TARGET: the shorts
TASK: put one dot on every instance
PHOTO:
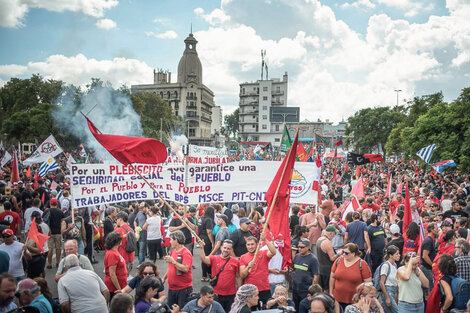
(55, 242)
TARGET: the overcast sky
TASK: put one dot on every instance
(341, 56)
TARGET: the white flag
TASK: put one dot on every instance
(6, 158)
(48, 149)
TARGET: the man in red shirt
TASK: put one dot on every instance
(11, 217)
(228, 268)
(369, 204)
(256, 271)
(123, 228)
(395, 203)
(179, 273)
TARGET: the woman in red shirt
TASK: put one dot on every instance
(348, 272)
(114, 265)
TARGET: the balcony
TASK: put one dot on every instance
(191, 107)
(191, 97)
(249, 112)
(206, 118)
(276, 102)
(249, 94)
(192, 117)
(277, 93)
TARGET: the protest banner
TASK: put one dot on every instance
(95, 184)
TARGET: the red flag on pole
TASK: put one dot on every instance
(36, 236)
(15, 175)
(28, 172)
(358, 189)
(388, 192)
(278, 212)
(339, 142)
(127, 149)
(374, 157)
(358, 171)
(407, 216)
(35, 183)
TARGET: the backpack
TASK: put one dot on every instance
(460, 292)
(131, 241)
(376, 278)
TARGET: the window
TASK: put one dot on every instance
(265, 117)
(265, 126)
(265, 107)
(265, 88)
(277, 139)
(265, 98)
(278, 88)
(243, 91)
(192, 132)
(276, 128)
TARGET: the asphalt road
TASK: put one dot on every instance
(99, 269)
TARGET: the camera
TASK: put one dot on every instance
(159, 307)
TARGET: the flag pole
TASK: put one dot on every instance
(274, 198)
(159, 195)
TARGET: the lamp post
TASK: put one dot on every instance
(398, 91)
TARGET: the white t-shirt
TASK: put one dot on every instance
(154, 227)
(275, 263)
(392, 277)
(27, 217)
(14, 252)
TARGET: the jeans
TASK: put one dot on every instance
(154, 247)
(429, 275)
(142, 246)
(81, 248)
(405, 307)
(391, 291)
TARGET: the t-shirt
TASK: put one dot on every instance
(134, 283)
(84, 263)
(111, 258)
(108, 227)
(205, 224)
(42, 304)
(142, 306)
(128, 256)
(348, 278)
(175, 222)
(239, 242)
(398, 242)
(14, 252)
(356, 231)
(12, 218)
(305, 267)
(376, 237)
(55, 219)
(185, 280)
(223, 234)
(430, 245)
(226, 284)
(74, 233)
(192, 306)
(391, 279)
(455, 215)
(154, 225)
(27, 217)
(260, 271)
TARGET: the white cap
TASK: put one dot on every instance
(395, 229)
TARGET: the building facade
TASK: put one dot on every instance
(188, 97)
(257, 100)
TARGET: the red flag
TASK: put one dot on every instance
(279, 192)
(358, 189)
(15, 175)
(28, 172)
(36, 236)
(388, 192)
(301, 153)
(407, 216)
(316, 179)
(351, 206)
(358, 171)
(36, 178)
(129, 150)
(43, 198)
(374, 157)
(400, 187)
(339, 142)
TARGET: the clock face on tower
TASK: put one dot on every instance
(191, 78)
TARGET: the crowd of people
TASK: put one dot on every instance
(371, 259)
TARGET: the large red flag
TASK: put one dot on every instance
(15, 175)
(374, 157)
(407, 216)
(28, 172)
(36, 236)
(129, 150)
(358, 189)
(388, 192)
(278, 211)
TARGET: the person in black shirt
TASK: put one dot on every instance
(396, 238)
(377, 241)
(55, 241)
(108, 225)
(455, 212)
(176, 224)
(205, 233)
(294, 218)
(428, 253)
(238, 237)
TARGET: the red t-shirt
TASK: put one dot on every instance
(259, 273)
(226, 284)
(12, 217)
(372, 206)
(185, 280)
(128, 256)
(348, 278)
(111, 258)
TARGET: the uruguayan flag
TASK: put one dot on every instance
(48, 166)
(426, 153)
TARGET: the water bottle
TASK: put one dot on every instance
(179, 259)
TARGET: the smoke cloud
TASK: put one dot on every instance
(111, 112)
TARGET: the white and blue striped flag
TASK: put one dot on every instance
(426, 153)
(48, 166)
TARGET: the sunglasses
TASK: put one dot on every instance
(6, 236)
(301, 247)
(346, 253)
(148, 274)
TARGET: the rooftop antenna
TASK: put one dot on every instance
(263, 55)
(191, 28)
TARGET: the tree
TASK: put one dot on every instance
(369, 128)
(231, 125)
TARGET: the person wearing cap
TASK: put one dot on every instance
(238, 237)
(326, 255)
(11, 217)
(222, 234)
(306, 272)
(429, 252)
(29, 293)
(55, 241)
(396, 238)
(15, 250)
(7, 292)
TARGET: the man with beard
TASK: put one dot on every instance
(177, 224)
(74, 230)
(7, 292)
(238, 237)
(226, 268)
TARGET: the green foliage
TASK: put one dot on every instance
(369, 128)
(230, 128)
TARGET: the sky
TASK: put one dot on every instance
(341, 56)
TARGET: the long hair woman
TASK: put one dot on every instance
(388, 279)
(365, 300)
(148, 288)
(411, 235)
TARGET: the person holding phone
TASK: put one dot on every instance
(411, 280)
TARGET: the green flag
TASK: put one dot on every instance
(286, 142)
(322, 140)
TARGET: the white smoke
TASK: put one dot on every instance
(110, 111)
(176, 145)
